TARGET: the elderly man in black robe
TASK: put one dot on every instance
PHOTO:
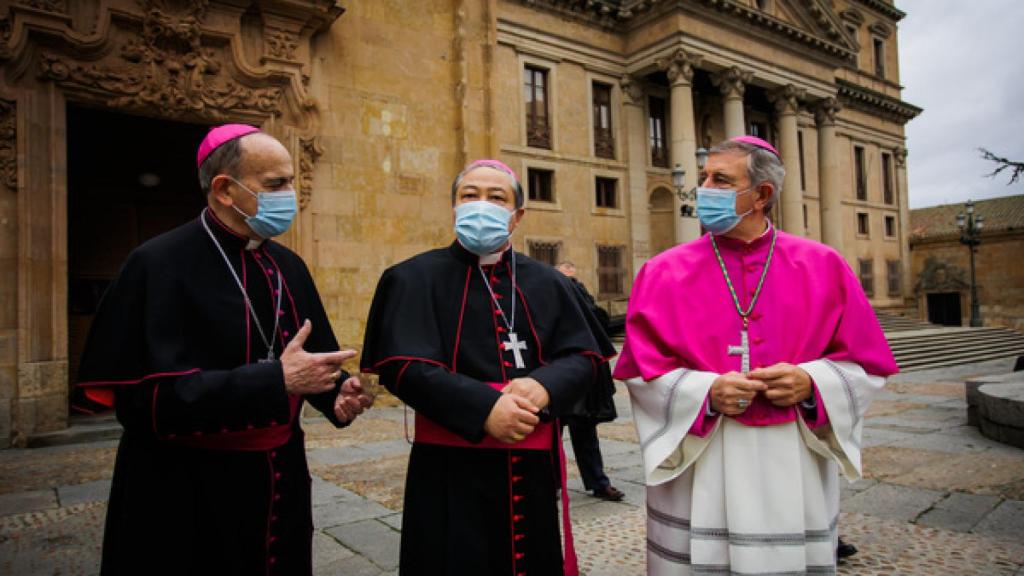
(488, 346)
(207, 344)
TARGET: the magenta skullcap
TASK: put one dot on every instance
(219, 135)
(496, 164)
(760, 143)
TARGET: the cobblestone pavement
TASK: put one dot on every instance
(938, 498)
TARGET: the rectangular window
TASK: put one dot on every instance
(852, 30)
(659, 146)
(879, 57)
(606, 192)
(535, 86)
(604, 139)
(759, 129)
(860, 173)
(894, 275)
(890, 226)
(539, 187)
(610, 272)
(863, 226)
(546, 252)
(887, 196)
(867, 276)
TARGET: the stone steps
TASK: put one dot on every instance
(937, 347)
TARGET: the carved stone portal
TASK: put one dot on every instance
(939, 276)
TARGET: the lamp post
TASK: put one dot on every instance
(688, 210)
(970, 235)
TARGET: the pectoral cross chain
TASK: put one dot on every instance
(517, 347)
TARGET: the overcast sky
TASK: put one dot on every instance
(963, 62)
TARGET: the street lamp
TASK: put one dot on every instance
(679, 183)
(970, 235)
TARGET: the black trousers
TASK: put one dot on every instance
(587, 448)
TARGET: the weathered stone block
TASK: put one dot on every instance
(37, 379)
(8, 347)
(8, 381)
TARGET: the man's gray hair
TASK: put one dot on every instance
(516, 187)
(762, 166)
(224, 160)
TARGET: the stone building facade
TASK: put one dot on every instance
(382, 101)
(942, 270)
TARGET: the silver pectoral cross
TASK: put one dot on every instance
(517, 347)
(743, 350)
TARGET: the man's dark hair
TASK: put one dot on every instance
(224, 160)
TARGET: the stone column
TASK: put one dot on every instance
(679, 67)
(733, 82)
(636, 156)
(786, 100)
(900, 154)
(830, 196)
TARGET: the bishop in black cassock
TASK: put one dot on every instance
(192, 347)
(448, 331)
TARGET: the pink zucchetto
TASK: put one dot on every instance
(219, 135)
(760, 143)
(497, 164)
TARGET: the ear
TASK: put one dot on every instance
(516, 217)
(219, 189)
(764, 192)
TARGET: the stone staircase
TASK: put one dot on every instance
(918, 345)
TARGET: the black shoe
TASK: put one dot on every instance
(609, 493)
(844, 550)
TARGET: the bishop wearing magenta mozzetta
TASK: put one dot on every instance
(207, 344)
(751, 357)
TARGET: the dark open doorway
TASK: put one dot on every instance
(129, 179)
(944, 308)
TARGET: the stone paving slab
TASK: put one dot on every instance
(1007, 521)
(373, 540)
(889, 501)
(96, 491)
(31, 501)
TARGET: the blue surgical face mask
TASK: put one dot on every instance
(482, 226)
(716, 209)
(274, 213)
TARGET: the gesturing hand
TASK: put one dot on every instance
(511, 419)
(530, 389)
(352, 400)
(310, 373)
(732, 393)
(787, 384)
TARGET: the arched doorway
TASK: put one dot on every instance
(663, 216)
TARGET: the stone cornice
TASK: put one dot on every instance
(623, 15)
(883, 8)
(876, 103)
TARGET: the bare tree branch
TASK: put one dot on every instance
(1016, 168)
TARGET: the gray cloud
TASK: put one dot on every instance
(962, 63)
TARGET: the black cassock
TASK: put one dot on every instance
(211, 474)
(435, 336)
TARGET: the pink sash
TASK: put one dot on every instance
(429, 432)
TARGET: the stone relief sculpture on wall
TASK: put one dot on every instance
(940, 276)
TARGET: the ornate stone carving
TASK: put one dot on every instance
(679, 66)
(939, 276)
(787, 99)
(60, 6)
(8, 145)
(732, 82)
(281, 44)
(825, 111)
(632, 90)
(167, 68)
(900, 154)
(309, 151)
